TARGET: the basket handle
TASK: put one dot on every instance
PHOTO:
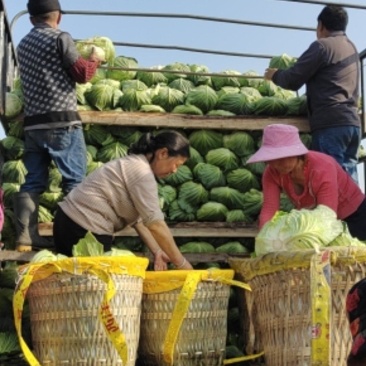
(181, 308)
(105, 313)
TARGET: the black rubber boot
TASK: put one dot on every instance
(26, 223)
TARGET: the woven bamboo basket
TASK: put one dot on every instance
(200, 331)
(65, 312)
(280, 305)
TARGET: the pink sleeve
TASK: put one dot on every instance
(325, 185)
(271, 197)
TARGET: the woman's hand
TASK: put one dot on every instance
(184, 265)
(161, 261)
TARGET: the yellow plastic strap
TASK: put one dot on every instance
(242, 359)
(100, 267)
(179, 313)
(192, 278)
(320, 292)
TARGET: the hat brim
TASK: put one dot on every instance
(265, 154)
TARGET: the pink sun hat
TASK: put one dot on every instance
(279, 141)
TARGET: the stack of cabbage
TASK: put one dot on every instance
(175, 88)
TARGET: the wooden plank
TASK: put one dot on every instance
(45, 229)
(170, 120)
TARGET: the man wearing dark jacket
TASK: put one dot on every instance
(49, 67)
(330, 70)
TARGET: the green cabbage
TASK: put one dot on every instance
(176, 213)
(133, 84)
(239, 104)
(119, 63)
(230, 80)
(179, 71)
(152, 78)
(133, 99)
(241, 143)
(101, 96)
(13, 147)
(192, 193)
(168, 194)
(13, 105)
(95, 134)
(197, 247)
(203, 97)
(194, 158)
(209, 175)
(299, 229)
(238, 216)
(14, 171)
(212, 211)
(182, 84)
(223, 158)
(168, 98)
(220, 113)
(205, 140)
(282, 62)
(242, 179)
(104, 43)
(187, 109)
(233, 247)
(81, 89)
(230, 197)
(271, 106)
(253, 201)
(183, 174)
(199, 79)
(151, 108)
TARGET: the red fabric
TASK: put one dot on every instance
(83, 70)
(326, 183)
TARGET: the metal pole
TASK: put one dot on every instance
(317, 2)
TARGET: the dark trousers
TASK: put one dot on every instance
(67, 233)
(357, 222)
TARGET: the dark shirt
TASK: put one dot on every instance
(330, 69)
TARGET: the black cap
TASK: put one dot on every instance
(37, 7)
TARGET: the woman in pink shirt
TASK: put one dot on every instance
(309, 178)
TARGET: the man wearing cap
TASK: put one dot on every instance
(308, 178)
(330, 69)
(49, 66)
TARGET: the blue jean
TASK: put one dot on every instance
(65, 147)
(340, 142)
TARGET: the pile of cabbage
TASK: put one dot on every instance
(122, 85)
(214, 185)
(304, 229)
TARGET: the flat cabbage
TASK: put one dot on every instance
(13, 105)
(209, 175)
(13, 147)
(239, 104)
(176, 213)
(242, 179)
(252, 93)
(220, 113)
(271, 106)
(126, 135)
(251, 79)
(267, 88)
(182, 84)
(228, 90)
(297, 106)
(100, 96)
(168, 98)
(223, 158)
(241, 143)
(183, 174)
(199, 79)
(168, 194)
(192, 193)
(205, 140)
(14, 171)
(112, 151)
(179, 71)
(133, 99)
(232, 247)
(299, 229)
(238, 215)
(95, 134)
(194, 158)
(81, 89)
(151, 108)
(229, 197)
(187, 109)
(212, 211)
(151, 78)
(282, 62)
(197, 247)
(203, 97)
(231, 79)
(253, 201)
(125, 63)
(133, 84)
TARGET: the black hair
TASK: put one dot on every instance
(176, 144)
(334, 18)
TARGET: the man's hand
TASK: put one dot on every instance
(268, 74)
